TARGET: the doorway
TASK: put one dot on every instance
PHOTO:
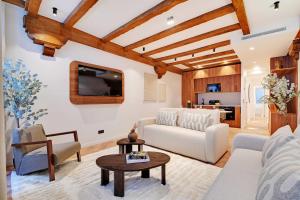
(257, 116)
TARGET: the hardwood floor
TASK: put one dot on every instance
(253, 129)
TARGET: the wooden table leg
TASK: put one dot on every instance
(119, 183)
(163, 174)
(121, 149)
(128, 148)
(104, 177)
(146, 173)
(140, 147)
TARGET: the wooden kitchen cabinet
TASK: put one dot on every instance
(230, 83)
(194, 82)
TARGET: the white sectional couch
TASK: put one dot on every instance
(239, 178)
(207, 146)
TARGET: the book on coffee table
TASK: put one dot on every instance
(137, 157)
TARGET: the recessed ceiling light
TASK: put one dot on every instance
(251, 48)
(254, 62)
(54, 11)
(116, 76)
(276, 5)
(170, 21)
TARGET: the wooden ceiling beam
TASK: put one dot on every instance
(215, 60)
(232, 62)
(241, 15)
(223, 53)
(19, 3)
(194, 51)
(197, 38)
(144, 17)
(79, 12)
(32, 7)
(53, 35)
(185, 25)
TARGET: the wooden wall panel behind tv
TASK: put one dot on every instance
(76, 99)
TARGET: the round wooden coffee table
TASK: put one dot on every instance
(117, 164)
(126, 144)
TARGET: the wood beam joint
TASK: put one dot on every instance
(53, 35)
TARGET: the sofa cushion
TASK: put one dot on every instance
(238, 180)
(195, 121)
(280, 177)
(167, 117)
(61, 151)
(30, 134)
(176, 139)
(282, 136)
(214, 114)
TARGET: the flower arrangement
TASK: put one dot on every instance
(281, 92)
(20, 88)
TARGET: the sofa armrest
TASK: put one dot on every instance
(249, 141)
(142, 123)
(216, 141)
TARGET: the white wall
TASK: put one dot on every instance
(2, 132)
(116, 120)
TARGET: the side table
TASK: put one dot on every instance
(125, 146)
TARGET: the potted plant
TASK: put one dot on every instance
(281, 92)
(20, 88)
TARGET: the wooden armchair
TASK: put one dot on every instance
(33, 151)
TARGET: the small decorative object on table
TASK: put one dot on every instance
(189, 104)
(137, 157)
(132, 136)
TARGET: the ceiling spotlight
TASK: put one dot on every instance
(144, 48)
(170, 21)
(54, 11)
(276, 5)
(251, 48)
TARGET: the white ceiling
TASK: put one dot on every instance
(64, 9)
(108, 15)
(263, 18)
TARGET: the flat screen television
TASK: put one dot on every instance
(99, 82)
(215, 87)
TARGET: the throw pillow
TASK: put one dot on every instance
(282, 136)
(168, 118)
(195, 121)
(297, 131)
(280, 177)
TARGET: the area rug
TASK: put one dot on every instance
(187, 179)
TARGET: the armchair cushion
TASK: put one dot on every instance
(30, 134)
(61, 152)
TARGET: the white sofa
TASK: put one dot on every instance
(239, 178)
(207, 146)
